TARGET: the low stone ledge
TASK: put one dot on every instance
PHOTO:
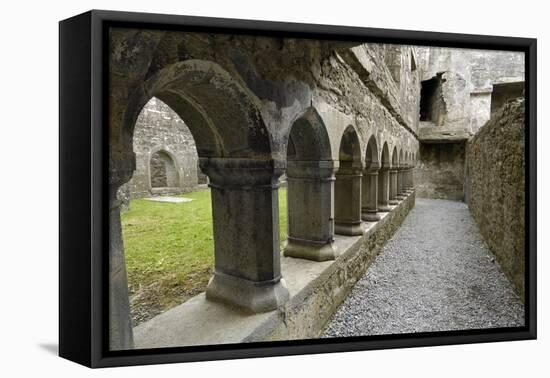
(316, 291)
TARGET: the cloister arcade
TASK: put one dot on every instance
(341, 172)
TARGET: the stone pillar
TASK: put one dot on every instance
(120, 323)
(245, 212)
(310, 210)
(347, 200)
(370, 195)
(408, 185)
(384, 190)
(393, 187)
(400, 183)
(410, 180)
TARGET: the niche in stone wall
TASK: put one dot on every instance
(163, 171)
(432, 104)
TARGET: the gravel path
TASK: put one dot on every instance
(435, 274)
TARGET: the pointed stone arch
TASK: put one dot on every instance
(232, 141)
(163, 169)
(401, 175)
(393, 176)
(310, 176)
(384, 180)
(369, 189)
(347, 189)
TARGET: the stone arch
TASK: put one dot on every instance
(372, 159)
(223, 118)
(310, 177)
(394, 158)
(347, 187)
(385, 157)
(401, 175)
(369, 184)
(232, 141)
(308, 139)
(384, 180)
(350, 149)
(163, 169)
(394, 177)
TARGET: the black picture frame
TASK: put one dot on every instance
(83, 228)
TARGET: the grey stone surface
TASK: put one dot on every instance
(495, 188)
(247, 270)
(440, 172)
(461, 88)
(469, 76)
(435, 274)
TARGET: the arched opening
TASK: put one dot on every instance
(369, 194)
(167, 231)
(166, 158)
(400, 177)
(408, 172)
(163, 171)
(384, 181)
(310, 177)
(393, 177)
(231, 141)
(347, 188)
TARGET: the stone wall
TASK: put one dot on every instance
(440, 171)
(166, 155)
(495, 188)
(468, 80)
(241, 96)
(461, 88)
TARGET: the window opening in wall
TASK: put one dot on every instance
(432, 105)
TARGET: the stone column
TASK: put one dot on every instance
(393, 187)
(347, 201)
(401, 183)
(370, 195)
(412, 178)
(245, 212)
(120, 324)
(384, 190)
(310, 210)
(408, 181)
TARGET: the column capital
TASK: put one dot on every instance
(349, 168)
(373, 167)
(121, 169)
(242, 173)
(313, 170)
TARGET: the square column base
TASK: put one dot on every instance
(251, 296)
(371, 216)
(348, 229)
(384, 208)
(309, 250)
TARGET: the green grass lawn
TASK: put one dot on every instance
(170, 251)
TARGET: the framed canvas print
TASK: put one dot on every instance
(233, 188)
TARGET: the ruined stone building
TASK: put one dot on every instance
(346, 122)
(166, 156)
(461, 90)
